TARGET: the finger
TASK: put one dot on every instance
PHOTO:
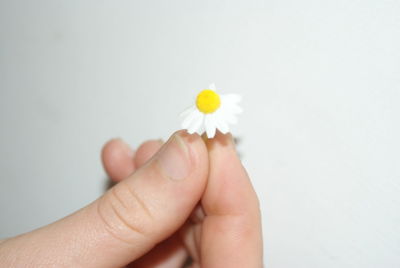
(117, 159)
(130, 219)
(171, 253)
(168, 254)
(191, 236)
(146, 151)
(197, 215)
(190, 233)
(231, 234)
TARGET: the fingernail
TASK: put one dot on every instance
(174, 158)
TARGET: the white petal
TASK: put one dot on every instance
(209, 124)
(189, 118)
(234, 109)
(196, 123)
(201, 129)
(223, 127)
(231, 98)
(230, 117)
(212, 87)
(221, 123)
(230, 111)
(227, 114)
(187, 111)
(229, 103)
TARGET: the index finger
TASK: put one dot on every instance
(231, 232)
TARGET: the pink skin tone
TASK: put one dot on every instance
(188, 197)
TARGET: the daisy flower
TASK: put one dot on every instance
(210, 112)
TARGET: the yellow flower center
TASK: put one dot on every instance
(208, 101)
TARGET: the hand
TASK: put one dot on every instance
(145, 221)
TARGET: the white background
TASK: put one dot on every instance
(319, 134)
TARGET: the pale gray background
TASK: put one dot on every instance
(320, 132)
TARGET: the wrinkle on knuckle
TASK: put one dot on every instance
(137, 199)
(124, 214)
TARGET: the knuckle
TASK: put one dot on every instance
(124, 214)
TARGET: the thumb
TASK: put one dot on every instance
(128, 220)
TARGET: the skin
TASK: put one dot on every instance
(149, 220)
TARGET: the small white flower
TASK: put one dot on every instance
(210, 112)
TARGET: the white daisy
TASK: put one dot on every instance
(210, 112)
